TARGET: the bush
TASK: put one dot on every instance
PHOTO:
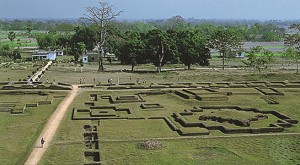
(150, 145)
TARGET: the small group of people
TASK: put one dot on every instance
(82, 81)
(138, 81)
(47, 81)
(109, 81)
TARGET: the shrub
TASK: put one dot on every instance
(150, 145)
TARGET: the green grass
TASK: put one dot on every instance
(16, 71)
(67, 146)
(274, 47)
(134, 129)
(274, 54)
(89, 72)
(22, 43)
(119, 139)
(242, 150)
(19, 132)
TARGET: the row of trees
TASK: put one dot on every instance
(292, 41)
(248, 32)
(178, 44)
(155, 46)
(29, 25)
(188, 46)
(159, 47)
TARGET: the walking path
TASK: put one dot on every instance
(50, 128)
(36, 75)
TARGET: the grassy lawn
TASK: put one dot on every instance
(131, 129)
(15, 72)
(89, 72)
(119, 139)
(19, 132)
(241, 150)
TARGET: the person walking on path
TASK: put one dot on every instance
(42, 142)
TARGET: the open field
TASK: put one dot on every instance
(119, 139)
(205, 115)
(21, 40)
(236, 150)
(271, 46)
(15, 72)
(236, 72)
(19, 131)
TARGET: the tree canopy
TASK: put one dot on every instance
(225, 41)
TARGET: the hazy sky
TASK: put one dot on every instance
(144, 9)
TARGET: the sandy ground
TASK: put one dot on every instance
(50, 129)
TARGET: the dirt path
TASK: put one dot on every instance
(50, 128)
(36, 75)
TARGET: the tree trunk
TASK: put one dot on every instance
(297, 66)
(189, 67)
(223, 61)
(100, 61)
(132, 68)
(161, 57)
(159, 67)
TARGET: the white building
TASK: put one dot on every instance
(240, 55)
(44, 55)
(59, 52)
(85, 58)
(90, 57)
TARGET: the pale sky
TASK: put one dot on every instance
(148, 9)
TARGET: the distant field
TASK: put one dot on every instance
(272, 46)
(21, 39)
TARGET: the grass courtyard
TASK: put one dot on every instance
(126, 118)
(20, 131)
(119, 139)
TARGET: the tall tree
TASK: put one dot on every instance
(259, 58)
(225, 41)
(63, 41)
(47, 41)
(78, 50)
(87, 35)
(132, 49)
(9, 52)
(29, 26)
(177, 22)
(158, 47)
(192, 48)
(293, 42)
(11, 36)
(293, 54)
(101, 16)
